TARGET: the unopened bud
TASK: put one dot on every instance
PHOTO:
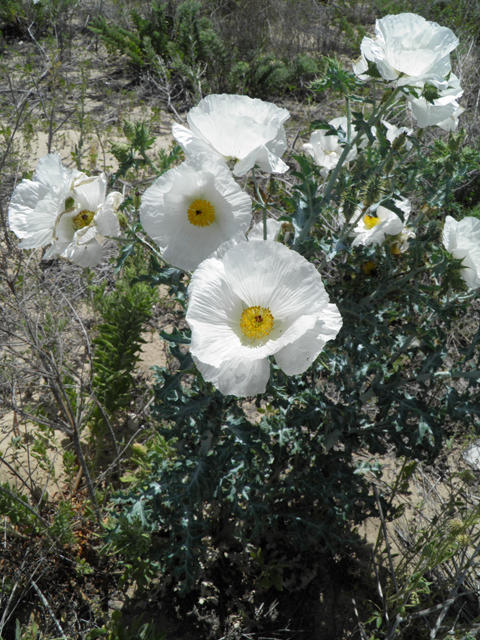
(373, 191)
(397, 144)
(456, 526)
(137, 200)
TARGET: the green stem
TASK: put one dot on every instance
(396, 285)
(149, 246)
(335, 173)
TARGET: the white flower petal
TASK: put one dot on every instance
(266, 160)
(297, 356)
(164, 210)
(274, 278)
(237, 377)
(51, 173)
(462, 240)
(407, 48)
(390, 224)
(35, 224)
(326, 149)
(90, 193)
(449, 233)
(232, 126)
(190, 143)
(106, 219)
(37, 211)
(85, 255)
(256, 274)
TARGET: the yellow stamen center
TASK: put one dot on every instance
(201, 213)
(83, 219)
(370, 221)
(256, 322)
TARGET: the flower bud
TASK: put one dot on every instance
(137, 200)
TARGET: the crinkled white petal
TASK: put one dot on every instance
(264, 274)
(164, 210)
(462, 240)
(326, 150)
(471, 265)
(394, 132)
(190, 143)
(468, 230)
(451, 123)
(34, 221)
(85, 255)
(390, 224)
(275, 277)
(90, 193)
(51, 172)
(296, 357)
(106, 220)
(428, 114)
(35, 204)
(449, 235)
(264, 158)
(237, 377)
(232, 126)
(405, 47)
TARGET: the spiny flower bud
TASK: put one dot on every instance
(456, 526)
(361, 165)
(349, 207)
(463, 540)
(122, 218)
(389, 165)
(373, 191)
(398, 143)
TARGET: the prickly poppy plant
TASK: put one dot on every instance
(315, 322)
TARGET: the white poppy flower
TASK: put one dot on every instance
(36, 204)
(252, 300)
(192, 209)
(462, 240)
(443, 111)
(374, 227)
(326, 149)
(451, 123)
(66, 209)
(246, 129)
(407, 48)
(394, 132)
(79, 230)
